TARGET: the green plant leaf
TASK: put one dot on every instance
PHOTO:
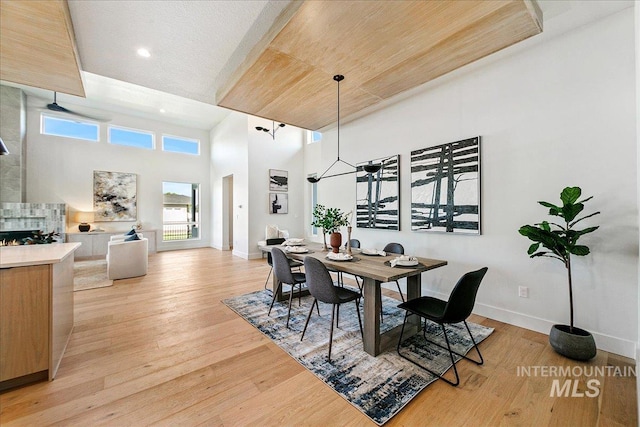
(534, 247)
(570, 195)
(569, 212)
(579, 250)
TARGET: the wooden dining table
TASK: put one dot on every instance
(374, 270)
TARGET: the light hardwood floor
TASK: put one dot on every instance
(163, 350)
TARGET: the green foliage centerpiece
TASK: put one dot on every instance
(560, 241)
(329, 220)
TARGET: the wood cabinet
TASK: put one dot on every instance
(94, 245)
(36, 318)
(24, 321)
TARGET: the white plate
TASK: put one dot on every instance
(407, 263)
(339, 257)
(296, 249)
(373, 252)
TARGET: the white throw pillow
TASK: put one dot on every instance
(271, 232)
(283, 234)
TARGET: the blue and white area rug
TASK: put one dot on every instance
(378, 386)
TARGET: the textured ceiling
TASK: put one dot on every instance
(191, 42)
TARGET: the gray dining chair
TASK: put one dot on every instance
(395, 248)
(455, 310)
(322, 289)
(292, 262)
(282, 270)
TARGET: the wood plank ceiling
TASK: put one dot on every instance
(38, 46)
(382, 48)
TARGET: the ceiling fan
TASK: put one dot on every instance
(54, 106)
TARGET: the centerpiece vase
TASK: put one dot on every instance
(324, 243)
(335, 240)
(349, 240)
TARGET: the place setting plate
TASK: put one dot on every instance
(373, 252)
(340, 257)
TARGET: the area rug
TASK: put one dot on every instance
(90, 274)
(378, 386)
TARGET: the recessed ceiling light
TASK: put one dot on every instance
(144, 52)
(162, 110)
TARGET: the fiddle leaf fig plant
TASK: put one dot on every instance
(559, 240)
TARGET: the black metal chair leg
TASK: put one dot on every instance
(453, 362)
(406, 315)
(455, 352)
(275, 294)
(293, 287)
(268, 276)
(400, 291)
(359, 320)
(476, 347)
(333, 311)
(315, 302)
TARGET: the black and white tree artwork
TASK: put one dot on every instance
(378, 194)
(445, 187)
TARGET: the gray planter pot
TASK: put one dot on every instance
(578, 345)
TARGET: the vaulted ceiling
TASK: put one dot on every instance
(270, 58)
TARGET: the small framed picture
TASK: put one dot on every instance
(278, 180)
(278, 203)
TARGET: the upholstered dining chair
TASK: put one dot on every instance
(322, 289)
(292, 262)
(355, 244)
(282, 270)
(395, 248)
(455, 310)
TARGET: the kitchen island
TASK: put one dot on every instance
(36, 310)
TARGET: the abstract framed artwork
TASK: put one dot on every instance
(445, 187)
(115, 196)
(278, 203)
(378, 195)
(278, 180)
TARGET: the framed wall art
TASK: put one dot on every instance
(278, 180)
(378, 195)
(278, 203)
(445, 187)
(115, 196)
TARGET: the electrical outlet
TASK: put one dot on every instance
(523, 292)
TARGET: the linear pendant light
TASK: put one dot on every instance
(368, 168)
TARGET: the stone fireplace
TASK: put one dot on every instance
(25, 217)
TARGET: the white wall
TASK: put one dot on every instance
(229, 156)
(637, 51)
(560, 113)
(239, 150)
(283, 153)
(61, 170)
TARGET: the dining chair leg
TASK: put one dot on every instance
(268, 276)
(359, 320)
(333, 311)
(338, 315)
(275, 294)
(400, 291)
(293, 287)
(315, 302)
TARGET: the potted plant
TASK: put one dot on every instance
(560, 241)
(330, 220)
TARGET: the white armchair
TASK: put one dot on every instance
(127, 258)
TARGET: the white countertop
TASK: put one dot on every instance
(25, 255)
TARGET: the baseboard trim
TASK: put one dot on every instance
(604, 342)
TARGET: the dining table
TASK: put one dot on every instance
(374, 271)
